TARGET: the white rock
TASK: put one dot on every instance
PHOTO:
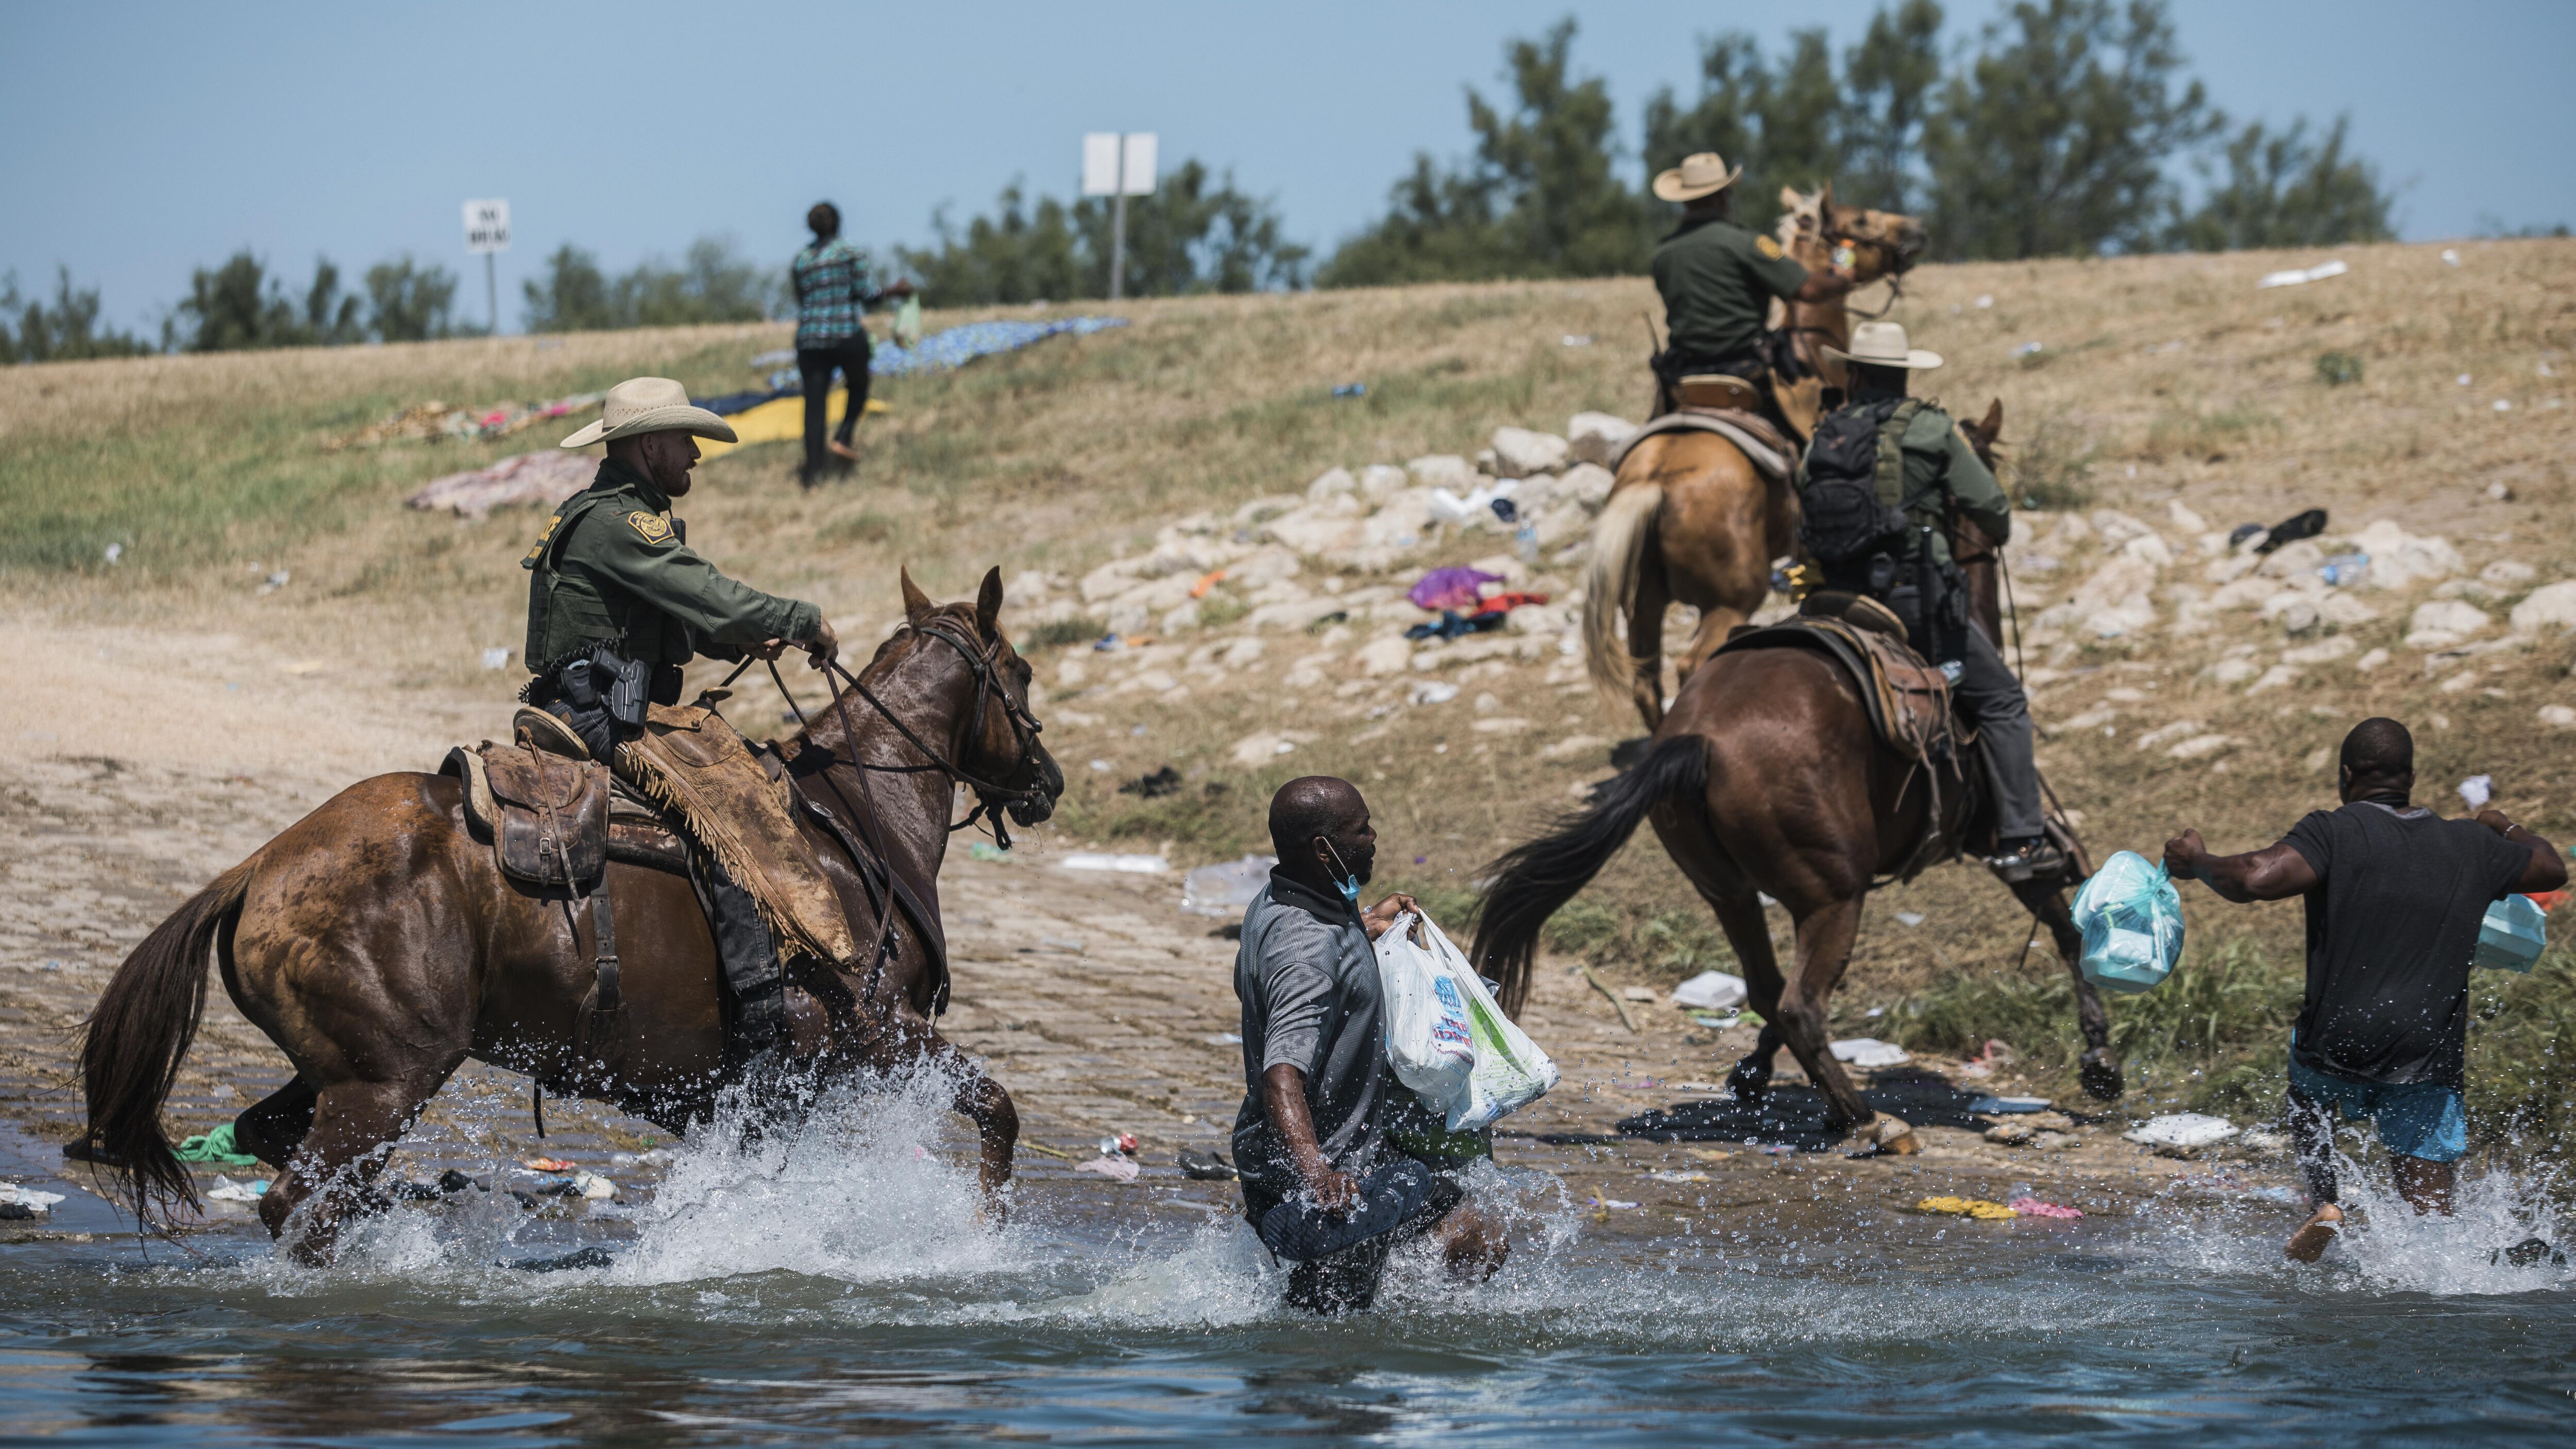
(2506, 573)
(1503, 725)
(1519, 452)
(1127, 618)
(1597, 437)
(2321, 652)
(2185, 519)
(2399, 559)
(2279, 676)
(2343, 610)
(1385, 656)
(2452, 616)
(2179, 729)
(1314, 531)
(2230, 569)
(2370, 661)
(1587, 484)
(2301, 617)
(2202, 747)
(1253, 751)
(2234, 671)
(1110, 580)
(2551, 606)
(2558, 716)
(1268, 506)
(1433, 691)
(1582, 746)
(1241, 652)
(2116, 527)
(2148, 549)
(1442, 470)
(1262, 568)
(2301, 559)
(1181, 616)
(1381, 481)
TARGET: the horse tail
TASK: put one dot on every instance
(1531, 881)
(1617, 555)
(139, 1032)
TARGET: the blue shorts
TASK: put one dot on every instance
(2415, 1119)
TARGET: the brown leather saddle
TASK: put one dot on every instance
(1906, 697)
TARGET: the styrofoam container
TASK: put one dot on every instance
(2512, 935)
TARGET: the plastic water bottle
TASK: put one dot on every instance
(1525, 541)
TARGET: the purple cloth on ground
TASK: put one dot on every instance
(1451, 588)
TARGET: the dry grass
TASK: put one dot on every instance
(2160, 379)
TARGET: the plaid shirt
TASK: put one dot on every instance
(833, 287)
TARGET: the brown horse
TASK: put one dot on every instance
(1766, 777)
(377, 943)
(1690, 519)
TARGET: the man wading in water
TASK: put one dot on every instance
(2394, 897)
(1323, 1183)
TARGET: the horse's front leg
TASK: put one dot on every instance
(982, 1101)
(2099, 1067)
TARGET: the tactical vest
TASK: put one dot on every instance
(567, 614)
(1851, 483)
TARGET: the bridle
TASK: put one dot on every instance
(1900, 260)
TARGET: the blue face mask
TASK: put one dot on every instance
(1347, 884)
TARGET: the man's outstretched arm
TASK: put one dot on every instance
(2274, 873)
(2547, 871)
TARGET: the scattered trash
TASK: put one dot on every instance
(1206, 1167)
(216, 1147)
(497, 657)
(1207, 581)
(28, 1201)
(1454, 625)
(1116, 1169)
(1123, 864)
(115, 552)
(2131, 918)
(2029, 349)
(1433, 691)
(2236, 536)
(1992, 1055)
(1707, 1154)
(275, 581)
(1225, 888)
(1911, 918)
(1351, 389)
(1985, 300)
(1869, 1051)
(1992, 1106)
(2450, 257)
(1680, 1176)
(2292, 529)
(2512, 936)
(986, 850)
(1460, 589)
(1713, 1021)
(1226, 1038)
(2299, 276)
(2335, 369)
(2477, 790)
(548, 1164)
(1122, 1143)
(2031, 1207)
(227, 1190)
(1966, 1207)
(1576, 339)
(1601, 1199)
(2462, 379)
(2344, 570)
(529, 478)
(1165, 781)
(1052, 943)
(2181, 1129)
(1710, 991)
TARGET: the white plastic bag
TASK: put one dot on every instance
(1506, 1070)
(2131, 918)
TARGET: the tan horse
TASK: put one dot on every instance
(378, 944)
(1690, 519)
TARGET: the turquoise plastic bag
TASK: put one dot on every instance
(2512, 935)
(2131, 918)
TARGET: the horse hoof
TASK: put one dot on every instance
(1749, 1083)
(2100, 1073)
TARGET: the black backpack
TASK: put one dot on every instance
(1849, 506)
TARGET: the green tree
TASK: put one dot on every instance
(410, 303)
(571, 294)
(2054, 141)
(1888, 83)
(1541, 197)
(69, 331)
(1195, 232)
(2284, 191)
(239, 307)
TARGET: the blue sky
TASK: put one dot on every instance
(138, 141)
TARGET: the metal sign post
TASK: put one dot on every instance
(487, 230)
(1119, 166)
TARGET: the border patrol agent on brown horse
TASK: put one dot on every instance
(618, 602)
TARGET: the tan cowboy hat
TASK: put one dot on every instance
(1883, 344)
(1701, 175)
(650, 405)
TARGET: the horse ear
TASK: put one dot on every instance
(988, 602)
(1993, 424)
(1790, 200)
(1825, 199)
(916, 604)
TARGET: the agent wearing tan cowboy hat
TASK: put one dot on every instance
(618, 602)
(1718, 278)
(1845, 527)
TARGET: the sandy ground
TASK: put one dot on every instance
(131, 771)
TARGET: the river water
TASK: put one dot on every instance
(833, 1285)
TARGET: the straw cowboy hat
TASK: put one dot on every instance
(649, 405)
(1701, 175)
(1883, 344)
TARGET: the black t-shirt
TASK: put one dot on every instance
(2391, 926)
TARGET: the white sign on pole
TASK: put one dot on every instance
(1100, 164)
(1136, 169)
(1116, 165)
(487, 226)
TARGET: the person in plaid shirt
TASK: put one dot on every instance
(833, 292)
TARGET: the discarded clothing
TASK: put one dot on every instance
(1454, 625)
(546, 477)
(1452, 589)
(431, 421)
(2031, 1207)
(1116, 1169)
(29, 1202)
(216, 1147)
(1505, 603)
(1165, 781)
(1966, 1207)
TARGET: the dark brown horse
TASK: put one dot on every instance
(1766, 777)
(1690, 519)
(376, 942)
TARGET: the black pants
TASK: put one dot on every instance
(757, 984)
(1989, 698)
(815, 365)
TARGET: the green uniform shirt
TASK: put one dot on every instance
(612, 569)
(1938, 458)
(1718, 280)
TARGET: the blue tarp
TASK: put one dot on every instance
(953, 348)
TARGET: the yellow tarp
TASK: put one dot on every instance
(780, 420)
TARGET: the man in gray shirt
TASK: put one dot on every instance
(1312, 1141)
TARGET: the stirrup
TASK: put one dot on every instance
(2033, 861)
